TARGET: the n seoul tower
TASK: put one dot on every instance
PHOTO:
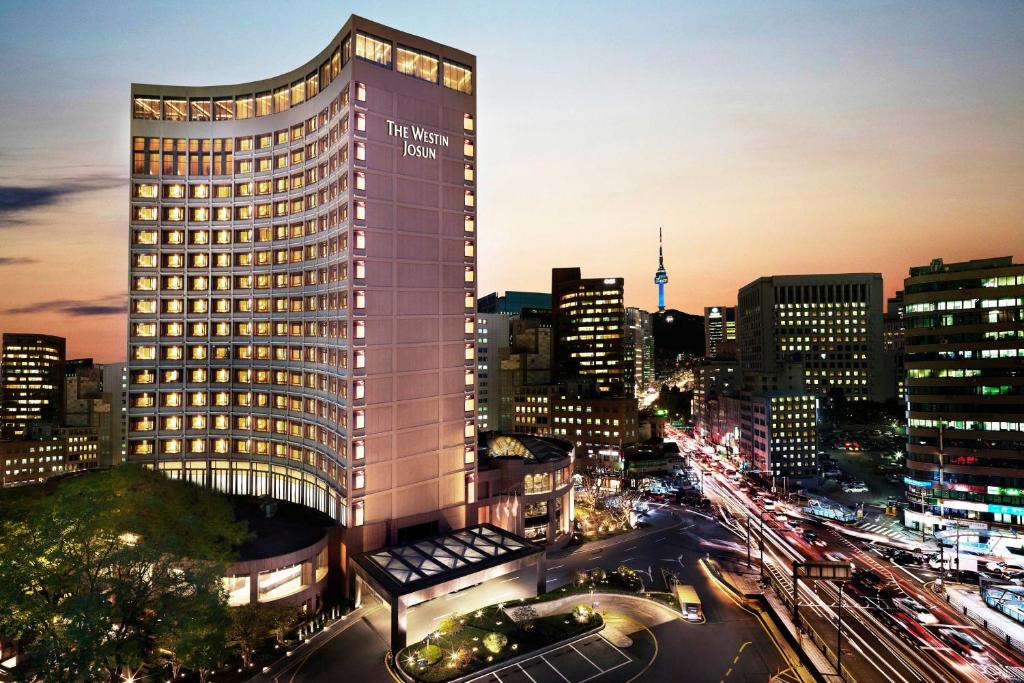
(660, 276)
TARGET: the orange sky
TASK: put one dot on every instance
(790, 138)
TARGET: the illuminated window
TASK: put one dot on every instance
(418, 64)
(458, 77)
(373, 49)
(146, 108)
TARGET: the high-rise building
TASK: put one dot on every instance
(87, 404)
(720, 331)
(893, 335)
(513, 303)
(115, 386)
(965, 392)
(829, 324)
(661, 276)
(31, 383)
(492, 346)
(639, 357)
(588, 332)
(303, 284)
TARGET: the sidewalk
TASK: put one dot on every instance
(969, 602)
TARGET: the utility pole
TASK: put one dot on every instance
(760, 541)
(749, 524)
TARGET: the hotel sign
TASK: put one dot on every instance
(417, 141)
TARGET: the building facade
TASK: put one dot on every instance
(965, 392)
(639, 352)
(831, 325)
(303, 284)
(784, 435)
(893, 337)
(525, 486)
(589, 332)
(513, 302)
(720, 331)
(31, 383)
(492, 346)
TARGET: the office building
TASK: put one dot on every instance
(639, 351)
(115, 386)
(893, 336)
(513, 303)
(528, 361)
(965, 392)
(588, 332)
(712, 380)
(88, 405)
(31, 383)
(783, 435)
(720, 331)
(303, 284)
(492, 345)
(831, 325)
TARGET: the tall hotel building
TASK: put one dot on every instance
(964, 348)
(303, 284)
(830, 325)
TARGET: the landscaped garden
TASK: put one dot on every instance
(624, 580)
(470, 642)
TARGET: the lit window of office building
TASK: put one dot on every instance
(829, 325)
(31, 383)
(303, 284)
(964, 357)
(720, 331)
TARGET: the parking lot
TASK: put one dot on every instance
(583, 660)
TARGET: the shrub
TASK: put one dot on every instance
(495, 642)
(582, 614)
(451, 624)
(524, 615)
(599, 574)
(430, 653)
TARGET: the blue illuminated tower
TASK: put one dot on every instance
(661, 277)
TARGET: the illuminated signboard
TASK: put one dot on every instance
(919, 484)
(1000, 491)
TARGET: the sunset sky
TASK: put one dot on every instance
(765, 137)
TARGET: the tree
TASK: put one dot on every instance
(250, 628)
(91, 566)
(283, 620)
(525, 616)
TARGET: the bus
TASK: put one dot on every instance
(689, 603)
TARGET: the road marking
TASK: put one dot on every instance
(527, 675)
(632, 547)
(557, 566)
(552, 666)
(573, 646)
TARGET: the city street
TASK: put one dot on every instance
(881, 641)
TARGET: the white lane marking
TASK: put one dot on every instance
(552, 666)
(527, 675)
(600, 670)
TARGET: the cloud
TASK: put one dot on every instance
(76, 308)
(16, 261)
(17, 202)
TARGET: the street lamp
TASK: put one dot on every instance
(839, 633)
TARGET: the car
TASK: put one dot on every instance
(769, 504)
(813, 539)
(962, 641)
(832, 473)
(916, 610)
(962, 576)
(855, 488)
(867, 580)
(781, 517)
(905, 558)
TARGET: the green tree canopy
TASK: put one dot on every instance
(98, 572)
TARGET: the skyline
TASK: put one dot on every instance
(893, 129)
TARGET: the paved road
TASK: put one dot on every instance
(732, 646)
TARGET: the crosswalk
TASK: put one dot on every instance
(892, 532)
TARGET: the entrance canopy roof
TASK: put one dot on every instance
(417, 565)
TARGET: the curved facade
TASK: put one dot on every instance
(526, 486)
(302, 283)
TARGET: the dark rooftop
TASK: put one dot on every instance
(292, 527)
(536, 448)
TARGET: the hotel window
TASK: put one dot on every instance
(263, 104)
(145, 190)
(360, 151)
(360, 180)
(146, 108)
(360, 92)
(467, 122)
(470, 199)
(223, 109)
(312, 84)
(199, 110)
(281, 99)
(468, 174)
(360, 121)
(175, 110)
(458, 77)
(373, 49)
(244, 107)
(467, 148)
(199, 191)
(298, 92)
(418, 64)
